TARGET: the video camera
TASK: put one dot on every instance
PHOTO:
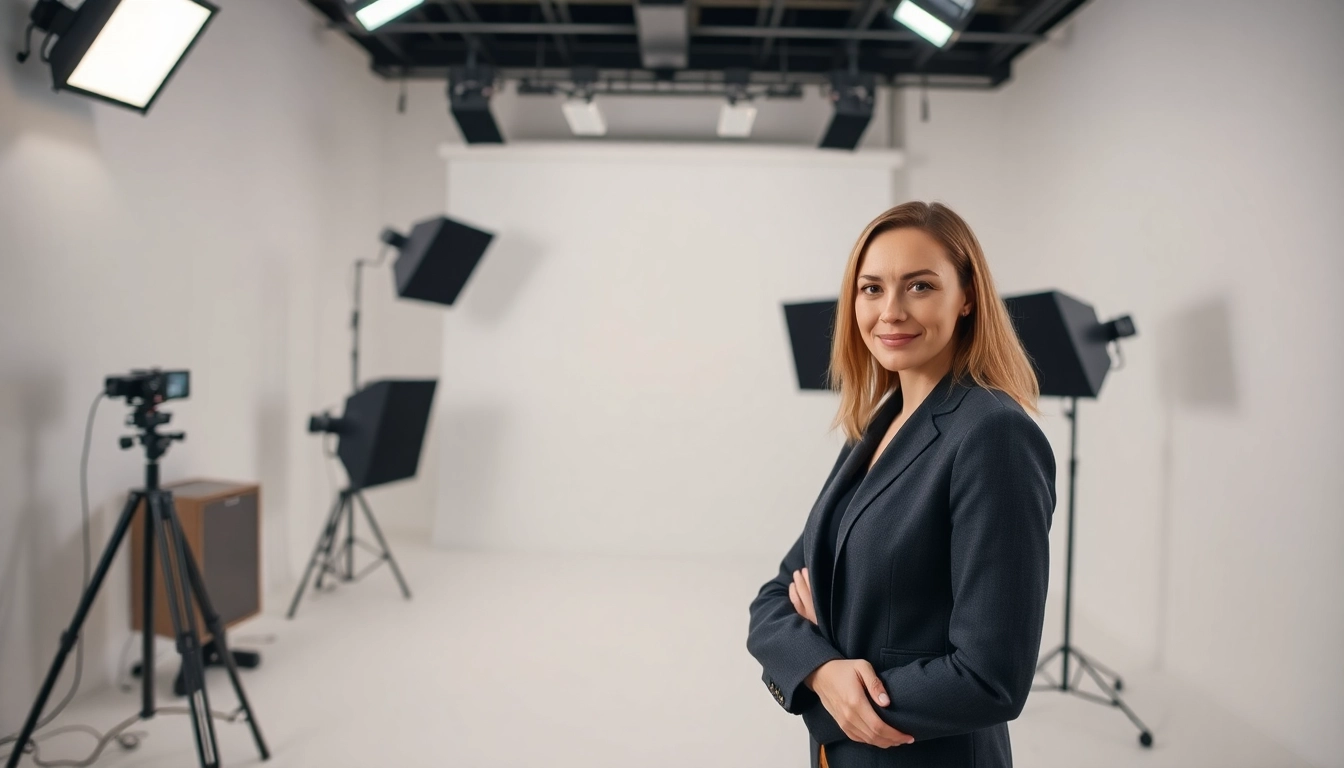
(152, 385)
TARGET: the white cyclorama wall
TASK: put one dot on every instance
(215, 234)
(1198, 191)
(617, 376)
(404, 338)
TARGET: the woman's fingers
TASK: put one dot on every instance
(804, 592)
(873, 684)
(845, 696)
(793, 597)
(882, 734)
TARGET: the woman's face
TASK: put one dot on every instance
(908, 301)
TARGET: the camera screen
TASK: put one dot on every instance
(176, 385)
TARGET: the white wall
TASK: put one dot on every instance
(1181, 162)
(405, 339)
(214, 234)
(617, 376)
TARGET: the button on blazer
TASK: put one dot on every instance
(945, 555)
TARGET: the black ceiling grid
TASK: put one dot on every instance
(803, 38)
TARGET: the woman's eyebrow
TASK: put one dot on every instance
(906, 276)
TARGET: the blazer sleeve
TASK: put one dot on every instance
(787, 645)
(1002, 498)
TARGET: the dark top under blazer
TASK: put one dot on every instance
(945, 557)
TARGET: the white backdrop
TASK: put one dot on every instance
(617, 376)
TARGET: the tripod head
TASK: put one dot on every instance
(145, 390)
(147, 419)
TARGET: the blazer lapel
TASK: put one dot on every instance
(857, 456)
(914, 436)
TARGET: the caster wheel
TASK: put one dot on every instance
(1119, 684)
(1146, 739)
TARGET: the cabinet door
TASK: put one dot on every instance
(232, 557)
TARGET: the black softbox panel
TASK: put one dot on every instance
(811, 326)
(437, 258)
(1066, 344)
(383, 430)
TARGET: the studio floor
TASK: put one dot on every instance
(513, 660)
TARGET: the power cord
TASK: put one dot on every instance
(79, 645)
(127, 739)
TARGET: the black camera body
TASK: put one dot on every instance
(151, 386)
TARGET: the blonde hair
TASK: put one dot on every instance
(988, 349)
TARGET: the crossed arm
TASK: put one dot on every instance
(1002, 501)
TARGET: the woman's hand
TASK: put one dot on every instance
(800, 594)
(844, 685)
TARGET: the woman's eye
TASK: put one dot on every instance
(926, 285)
(864, 288)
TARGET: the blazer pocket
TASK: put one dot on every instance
(899, 657)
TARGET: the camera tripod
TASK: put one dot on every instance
(330, 561)
(1085, 664)
(182, 580)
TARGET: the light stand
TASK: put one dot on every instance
(323, 557)
(383, 428)
(1067, 347)
(1064, 651)
(181, 578)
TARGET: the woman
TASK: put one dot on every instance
(905, 622)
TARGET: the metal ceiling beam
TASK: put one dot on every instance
(776, 17)
(549, 14)
(456, 15)
(864, 13)
(1031, 22)
(894, 35)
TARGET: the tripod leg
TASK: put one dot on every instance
(187, 644)
(350, 543)
(328, 531)
(1098, 666)
(147, 613)
(387, 553)
(327, 557)
(1146, 736)
(71, 634)
(216, 629)
(1046, 658)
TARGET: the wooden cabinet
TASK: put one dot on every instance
(221, 522)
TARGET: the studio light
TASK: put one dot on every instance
(436, 258)
(1067, 347)
(469, 90)
(938, 21)
(375, 13)
(735, 120)
(852, 94)
(811, 330)
(738, 115)
(584, 117)
(383, 428)
(119, 51)
(581, 112)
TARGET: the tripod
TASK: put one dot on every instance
(181, 578)
(1085, 664)
(330, 561)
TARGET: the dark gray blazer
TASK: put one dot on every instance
(945, 551)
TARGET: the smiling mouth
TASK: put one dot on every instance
(894, 340)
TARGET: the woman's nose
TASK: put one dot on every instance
(893, 312)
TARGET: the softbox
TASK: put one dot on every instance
(437, 258)
(811, 326)
(383, 429)
(1066, 343)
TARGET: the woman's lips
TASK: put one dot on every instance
(894, 340)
